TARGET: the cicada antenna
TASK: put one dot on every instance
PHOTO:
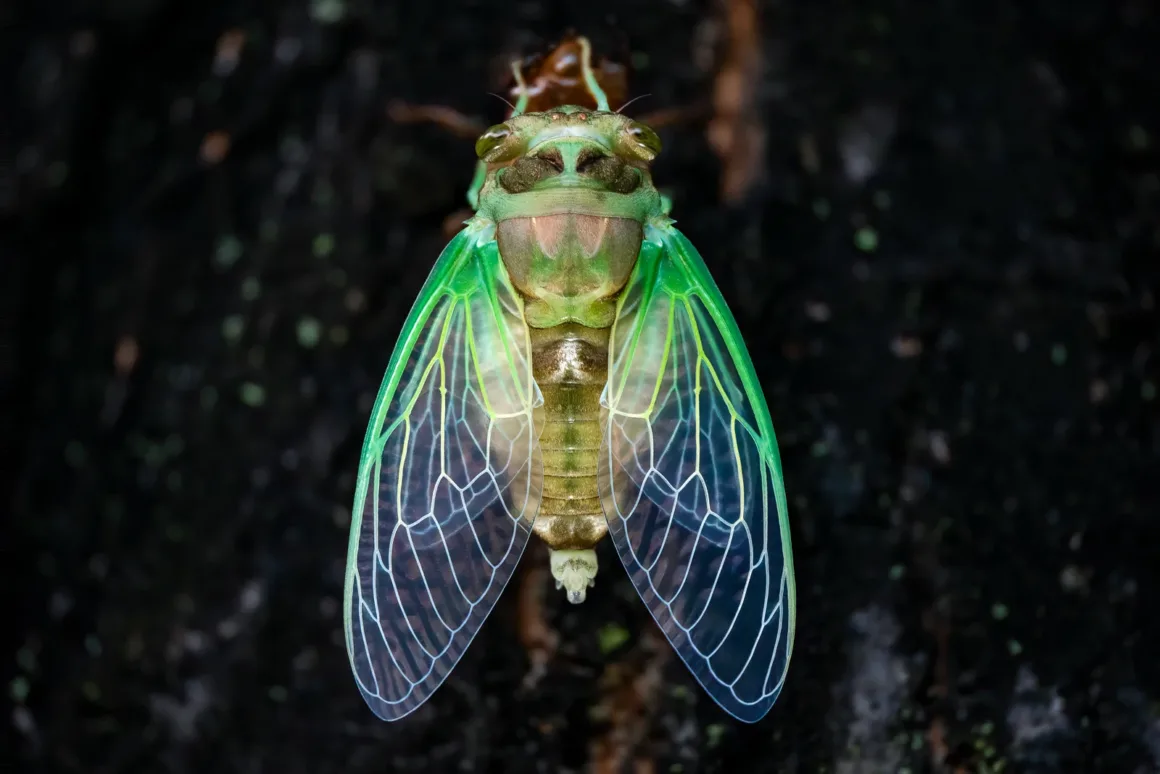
(501, 99)
(522, 102)
(590, 77)
(634, 99)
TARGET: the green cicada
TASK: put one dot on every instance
(571, 370)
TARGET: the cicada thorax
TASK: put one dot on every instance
(569, 266)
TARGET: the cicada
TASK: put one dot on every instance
(569, 370)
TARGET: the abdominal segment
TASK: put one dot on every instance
(570, 364)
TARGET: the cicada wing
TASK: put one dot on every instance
(690, 479)
(449, 480)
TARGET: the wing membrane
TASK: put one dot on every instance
(691, 479)
(449, 480)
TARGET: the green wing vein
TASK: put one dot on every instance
(691, 479)
(449, 481)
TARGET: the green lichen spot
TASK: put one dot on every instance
(866, 239)
(713, 734)
(229, 250)
(999, 611)
(253, 395)
(233, 327)
(323, 245)
(309, 332)
(1059, 354)
(612, 637)
(19, 689)
(251, 289)
(327, 11)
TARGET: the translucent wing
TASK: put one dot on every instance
(691, 479)
(449, 481)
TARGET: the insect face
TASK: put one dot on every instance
(569, 147)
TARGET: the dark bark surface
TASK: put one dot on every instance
(947, 275)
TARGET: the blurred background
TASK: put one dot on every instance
(935, 222)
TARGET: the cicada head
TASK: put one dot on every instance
(569, 147)
(570, 191)
(569, 159)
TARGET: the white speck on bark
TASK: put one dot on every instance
(871, 695)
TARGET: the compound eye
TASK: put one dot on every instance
(645, 137)
(490, 141)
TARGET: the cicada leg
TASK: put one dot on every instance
(450, 119)
(453, 223)
(476, 184)
(676, 115)
(672, 117)
(457, 124)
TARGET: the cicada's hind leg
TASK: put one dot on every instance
(675, 116)
(457, 124)
(450, 119)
